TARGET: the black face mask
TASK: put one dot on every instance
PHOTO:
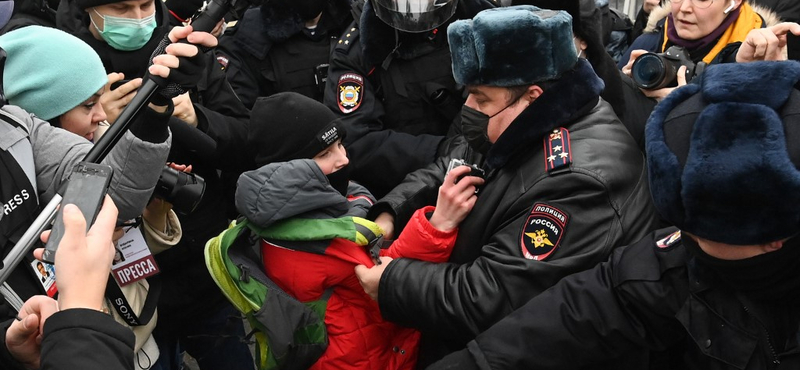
(340, 179)
(475, 125)
(766, 277)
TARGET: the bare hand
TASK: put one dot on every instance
(24, 336)
(164, 62)
(634, 54)
(370, 278)
(649, 5)
(114, 101)
(456, 199)
(660, 94)
(83, 260)
(386, 222)
(184, 109)
(766, 43)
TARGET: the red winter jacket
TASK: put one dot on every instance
(358, 336)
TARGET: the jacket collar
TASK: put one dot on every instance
(576, 90)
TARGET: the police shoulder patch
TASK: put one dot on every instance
(349, 92)
(669, 240)
(543, 231)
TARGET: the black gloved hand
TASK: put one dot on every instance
(181, 79)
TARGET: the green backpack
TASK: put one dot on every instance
(289, 334)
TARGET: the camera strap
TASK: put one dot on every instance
(123, 307)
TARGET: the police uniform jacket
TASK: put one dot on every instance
(396, 96)
(566, 184)
(269, 51)
(651, 294)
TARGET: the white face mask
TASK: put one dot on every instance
(577, 43)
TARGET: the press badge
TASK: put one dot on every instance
(132, 258)
(46, 273)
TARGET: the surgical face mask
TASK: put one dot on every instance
(475, 125)
(126, 34)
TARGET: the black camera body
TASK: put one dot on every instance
(184, 190)
(653, 71)
(474, 169)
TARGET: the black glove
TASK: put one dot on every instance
(181, 79)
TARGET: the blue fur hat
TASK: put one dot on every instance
(723, 153)
(511, 46)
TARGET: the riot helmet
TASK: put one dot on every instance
(414, 15)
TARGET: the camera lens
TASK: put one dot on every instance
(649, 71)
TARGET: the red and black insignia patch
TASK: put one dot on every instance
(543, 231)
(350, 91)
(669, 240)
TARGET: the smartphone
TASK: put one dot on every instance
(86, 188)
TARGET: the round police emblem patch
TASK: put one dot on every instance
(543, 231)
(349, 92)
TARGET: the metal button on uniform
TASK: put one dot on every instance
(395, 348)
(708, 343)
(402, 351)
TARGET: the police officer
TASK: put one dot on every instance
(565, 182)
(391, 81)
(284, 46)
(720, 291)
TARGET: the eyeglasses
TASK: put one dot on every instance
(699, 4)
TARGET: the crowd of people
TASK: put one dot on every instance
(447, 184)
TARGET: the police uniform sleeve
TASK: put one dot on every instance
(626, 303)
(230, 58)
(465, 299)
(224, 118)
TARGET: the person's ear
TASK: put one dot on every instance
(533, 93)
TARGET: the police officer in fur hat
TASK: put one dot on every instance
(565, 182)
(722, 289)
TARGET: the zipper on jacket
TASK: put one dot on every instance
(775, 359)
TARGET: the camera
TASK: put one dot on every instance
(184, 190)
(653, 71)
(474, 169)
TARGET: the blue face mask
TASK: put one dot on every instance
(126, 34)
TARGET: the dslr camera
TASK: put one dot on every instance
(184, 190)
(653, 71)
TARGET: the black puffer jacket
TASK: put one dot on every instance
(531, 225)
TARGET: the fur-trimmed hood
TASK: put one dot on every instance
(661, 12)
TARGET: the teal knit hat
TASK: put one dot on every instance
(48, 72)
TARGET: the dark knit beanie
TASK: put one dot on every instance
(84, 4)
(288, 126)
(723, 153)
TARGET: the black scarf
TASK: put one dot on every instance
(767, 277)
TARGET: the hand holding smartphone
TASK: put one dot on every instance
(86, 187)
